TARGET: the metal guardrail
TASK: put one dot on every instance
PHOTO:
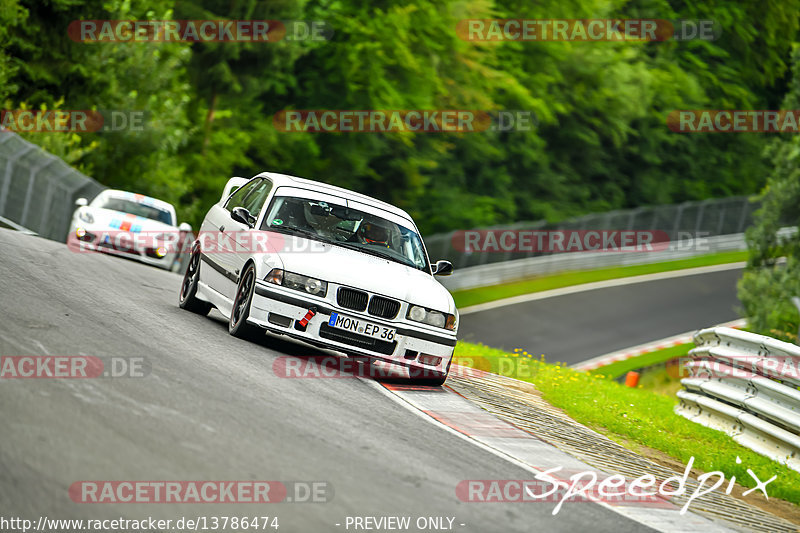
(746, 385)
(496, 273)
(38, 189)
(707, 218)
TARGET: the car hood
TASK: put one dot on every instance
(105, 217)
(342, 266)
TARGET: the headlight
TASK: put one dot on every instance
(434, 318)
(86, 216)
(297, 282)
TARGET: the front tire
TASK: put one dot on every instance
(187, 298)
(237, 324)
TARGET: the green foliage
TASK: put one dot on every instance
(600, 143)
(767, 286)
(68, 146)
(11, 14)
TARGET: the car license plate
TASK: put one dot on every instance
(361, 327)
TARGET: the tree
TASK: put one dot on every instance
(767, 285)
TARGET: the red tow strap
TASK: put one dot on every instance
(304, 321)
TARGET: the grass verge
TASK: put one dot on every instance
(634, 417)
(479, 295)
(620, 368)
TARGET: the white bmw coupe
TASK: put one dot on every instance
(328, 266)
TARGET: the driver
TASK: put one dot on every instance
(371, 233)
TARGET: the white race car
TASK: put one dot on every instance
(328, 266)
(130, 225)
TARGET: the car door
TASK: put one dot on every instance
(219, 243)
(253, 201)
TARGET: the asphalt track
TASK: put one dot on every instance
(575, 327)
(212, 409)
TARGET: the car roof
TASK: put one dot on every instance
(139, 198)
(293, 181)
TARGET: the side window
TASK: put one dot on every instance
(238, 197)
(255, 200)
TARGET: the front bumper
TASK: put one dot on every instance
(91, 242)
(410, 342)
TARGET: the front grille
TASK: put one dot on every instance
(119, 247)
(353, 339)
(383, 307)
(352, 299)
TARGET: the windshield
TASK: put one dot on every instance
(138, 209)
(346, 227)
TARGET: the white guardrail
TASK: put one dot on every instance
(747, 386)
(10, 224)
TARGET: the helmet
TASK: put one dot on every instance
(373, 233)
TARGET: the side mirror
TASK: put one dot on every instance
(81, 202)
(240, 214)
(185, 227)
(442, 268)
